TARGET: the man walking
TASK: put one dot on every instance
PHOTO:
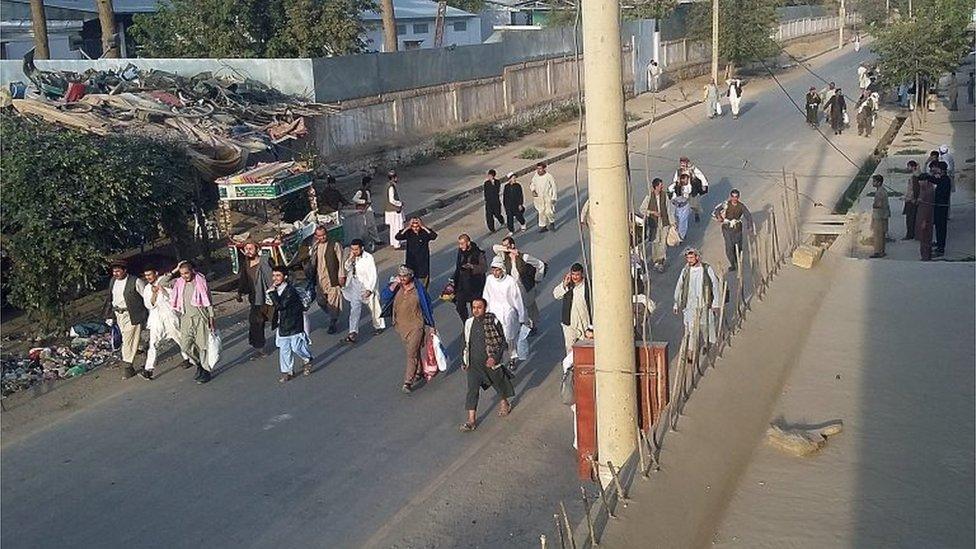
(695, 185)
(911, 200)
(836, 108)
(731, 214)
(289, 321)
(191, 299)
(711, 99)
(952, 90)
(505, 302)
(813, 107)
(866, 112)
(543, 189)
(493, 202)
(654, 76)
(880, 212)
(363, 200)
(327, 274)
(484, 348)
(734, 93)
(332, 200)
(514, 201)
(656, 223)
(527, 272)
(393, 209)
(574, 293)
(253, 280)
(361, 289)
(696, 296)
(124, 305)
(418, 237)
(162, 323)
(469, 274)
(406, 300)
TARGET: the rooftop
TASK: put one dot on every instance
(416, 9)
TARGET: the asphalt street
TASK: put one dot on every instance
(342, 458)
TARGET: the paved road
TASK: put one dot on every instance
(344, 459)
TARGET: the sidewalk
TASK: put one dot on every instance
(942, 126)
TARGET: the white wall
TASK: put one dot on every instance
(471, 34)
(58, 44)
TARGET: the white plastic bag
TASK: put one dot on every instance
(213, 350)
(522, 343)
(718, 109)
(440, 354)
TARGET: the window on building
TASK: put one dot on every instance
(401, 30)
(460, 26)
(412, 44)
(420, 28)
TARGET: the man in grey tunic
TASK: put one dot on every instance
(696, 295)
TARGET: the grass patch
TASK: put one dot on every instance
(556, 143)
(485, 137)
(530, 153)
(907, 152)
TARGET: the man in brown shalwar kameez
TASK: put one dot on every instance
(925, 216)
(325, 269)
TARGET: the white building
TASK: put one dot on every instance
(415, 26)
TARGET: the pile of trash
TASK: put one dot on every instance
(220, 118)
(83, 354)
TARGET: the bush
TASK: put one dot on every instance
(71, 199)
(531, 154)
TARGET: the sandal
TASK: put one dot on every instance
(505, 410)
(406, 388)
(467, 427)
(351, 338)
(307, 369)
(284, 378)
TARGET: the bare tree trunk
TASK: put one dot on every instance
(106, 16)
(389, 26)
(39, 21)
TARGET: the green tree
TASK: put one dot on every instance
(744, 29)
(71, 199)
(563, 13)
(252, 28)
(927, 45)
(470, 6)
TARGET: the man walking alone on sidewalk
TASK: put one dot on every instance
(124, 305)
(393, 208)
(493, 202)
(253, 280)
(484, 349)
(289, 321)
(732, 214)
(880, 212)
(514, 201)
(696, 296)
(543, 189)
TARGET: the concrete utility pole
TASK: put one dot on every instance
(616, 394)
(843, 19)
(389, 26)
(39, 22)
(106, 17)
(715, 41)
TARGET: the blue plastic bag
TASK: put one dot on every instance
(116, 337)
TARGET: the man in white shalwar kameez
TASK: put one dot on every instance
(697, 295)
(505, 302)
(543, 187)
(361, 289)
(163, 323)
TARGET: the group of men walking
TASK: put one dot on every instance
(511, 197)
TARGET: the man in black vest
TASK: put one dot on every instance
(656, 223)
(527, 270)
(575, 295)
(493, 201)
(470, 271)
(289, 320)
(326, 272)
(124, 304)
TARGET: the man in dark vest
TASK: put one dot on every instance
(327, 273)
(253, 280)
(696, 296)
(124, 305)
(470, 271)
(528, 271)
(656, 223)
(393, 209)
(493, 201)
(575, 295)
(732, 214)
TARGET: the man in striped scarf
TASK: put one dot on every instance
(484, 347)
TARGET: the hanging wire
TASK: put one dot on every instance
(579, 144)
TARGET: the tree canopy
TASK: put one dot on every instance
(928, 44)
(252, 28)
(71, 199)
(744, 29)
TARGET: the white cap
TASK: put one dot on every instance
(497, 262)
(944, 149)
